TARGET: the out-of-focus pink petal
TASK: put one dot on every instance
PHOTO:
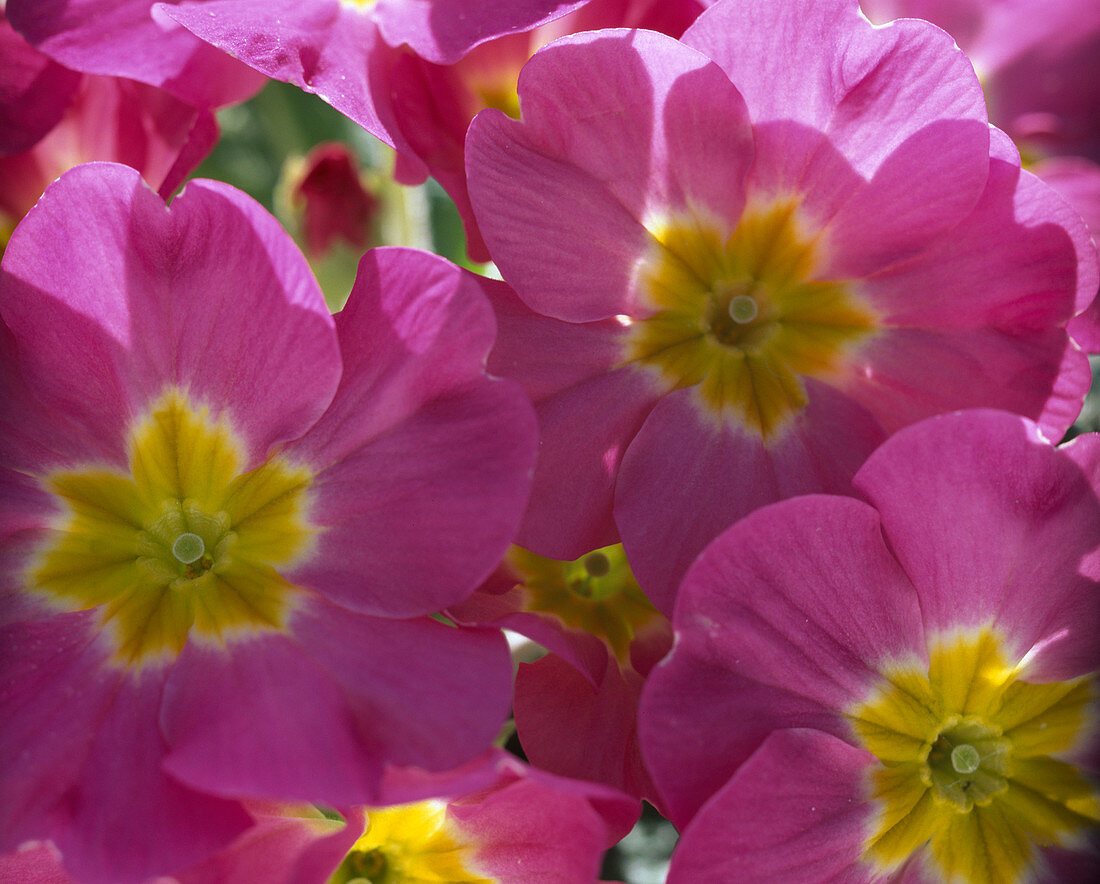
(773, 641)
(133, 39)
(34, 91)
(795, 812)
(981, 510)
(442, 31)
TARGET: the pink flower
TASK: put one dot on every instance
(742, 259)
(226, 518)
(900, 689)
(132, 39)
(34, 91)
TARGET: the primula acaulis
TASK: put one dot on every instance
(743, 258)
(898, 689)
(227, 518)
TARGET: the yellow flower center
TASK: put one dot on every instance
(596, 593)
(970, 762)
(409, 844)
(741, 318)
(184, 544)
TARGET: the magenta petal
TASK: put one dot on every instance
(584, 432)
(34, 91)
(917, 194)
(228, 724)
(587, 408)
(795, 812)
(572, 728)
(684, 480)
(606, 115)
(980, 510)
(869, 89)
(327, 48)
(102, 275)
(91, 778)
(535, 829)
(773, 641)
(423, 462)
(364, 695)
(279, 849)
(129, 38)
(442, 31)
(434, 710)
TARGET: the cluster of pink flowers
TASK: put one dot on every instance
(748, 424)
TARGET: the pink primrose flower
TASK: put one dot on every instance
(743, 258)
(52, 119)
(132, 39)
(226, 518)
(576, 708)
(899, 688)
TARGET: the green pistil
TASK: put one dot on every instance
(966, 763)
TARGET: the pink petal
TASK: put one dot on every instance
(775, 641)
(279, 849)
(1047, 264)
(129, 38)
(422, 461)
(795, 812)
(229, 732)
(868, 89)
(102, 275)
(587, 410)
(327, 48)
(980, 510)
(609, 138)
(90, 778)
(34, 92)
(442, 31)
(536, 827)
(684, 480)
(572, 728)
(364, 694)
